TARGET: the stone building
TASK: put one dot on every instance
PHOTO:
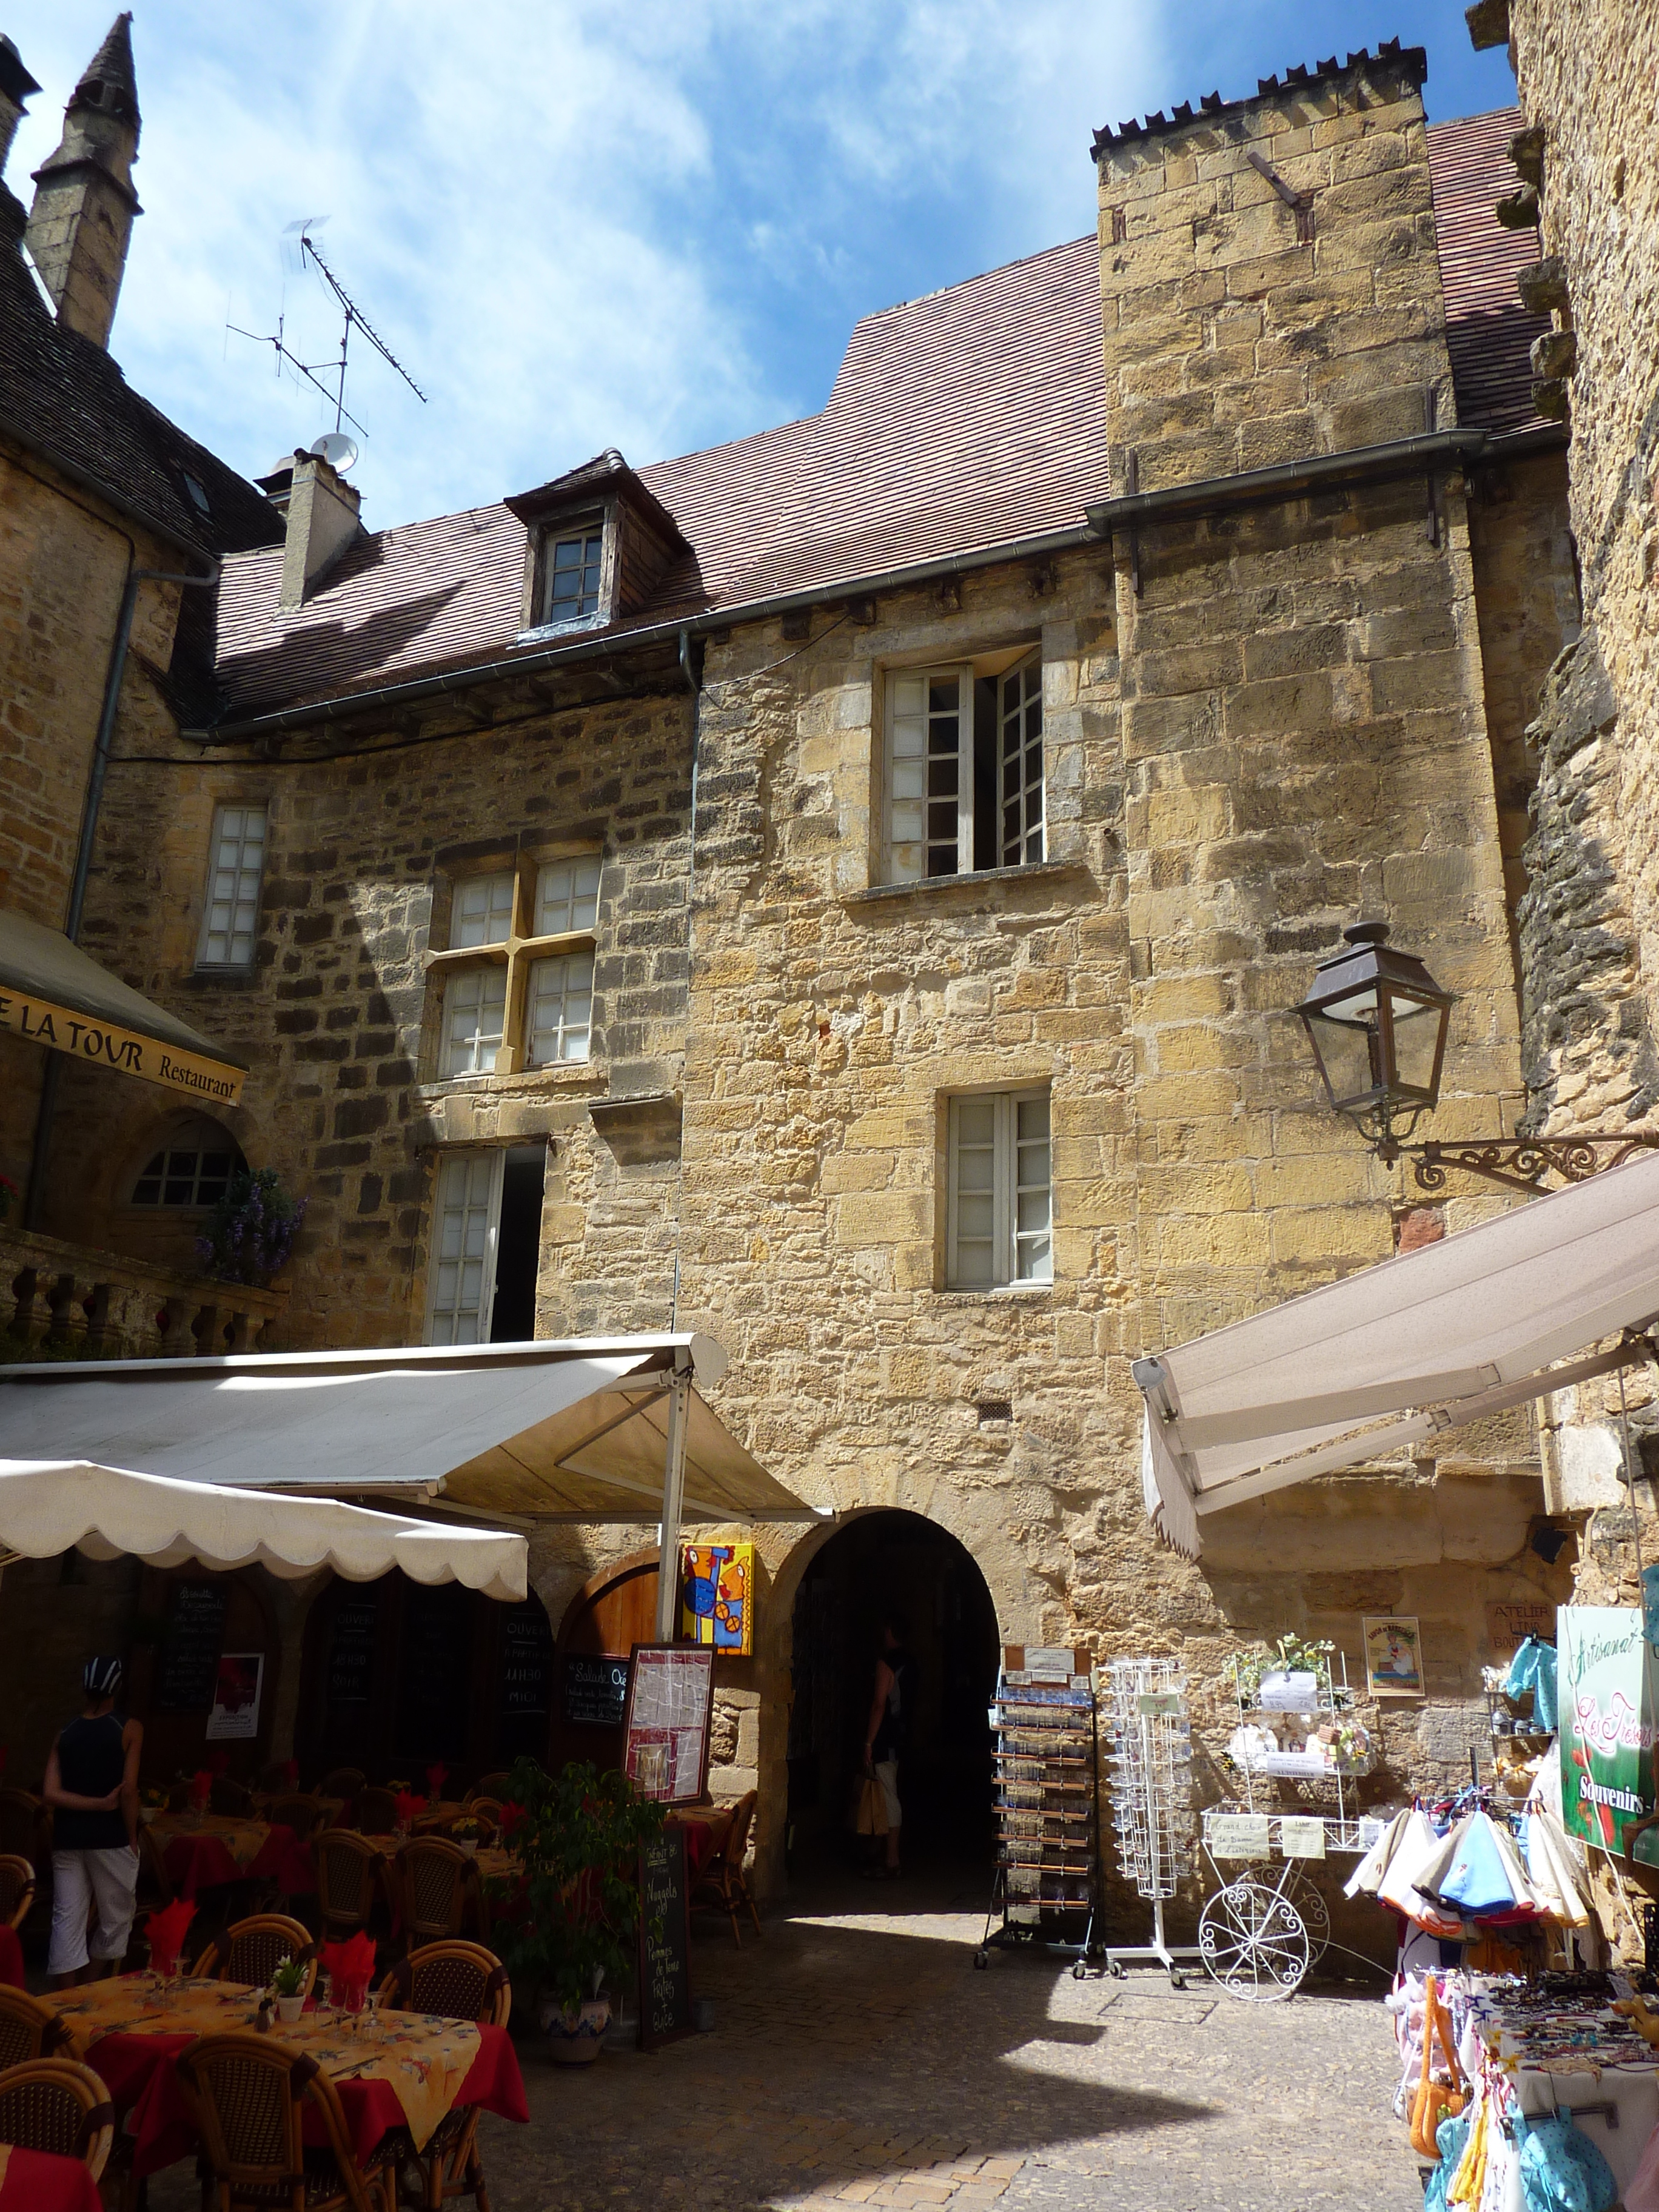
(844, 890)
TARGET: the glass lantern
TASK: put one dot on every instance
(1377, 1021)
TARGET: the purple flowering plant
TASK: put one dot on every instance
(249, 1233)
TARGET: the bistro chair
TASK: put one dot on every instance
(272, 1778)
(377, 1811)
(489, 1785)
(232, 1801)
(22, 1816)
(28, 2029)
(348, 1866)
(722, 1882)
(58, 2106)
(487, 1812)
(17, 1888)
(250, 1951)
(461, 1981)
(249, 2095)
(297, 1811)
(342, 1782)
(431, 1877)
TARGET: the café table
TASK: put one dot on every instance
(41, 2181)
(200, 1849)
(702, 1838)
(330, 1807)
(11, 1957)
(407, 2069)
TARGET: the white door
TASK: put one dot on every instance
(465, 1231)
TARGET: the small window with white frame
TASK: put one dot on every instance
(964, 782)
(999, 1217)
(230, 913)
(510, 1003)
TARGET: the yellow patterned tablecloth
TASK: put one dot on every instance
(243, 1839)
(423, 2057)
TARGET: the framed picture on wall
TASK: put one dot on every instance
(1394, 1657)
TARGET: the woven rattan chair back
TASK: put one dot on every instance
(377, 1811)
(249, 2093)
(461, 1981)
(347, 1864)
(489, 1785)
(250, 1951)
(735, 1842)
(230, 1800)
(17, 1888)
(431, 1884)
(487, 1812)
(296, 1811)
(20, 1824)
(342, 1782)
(28, 2029)
(54, 2104)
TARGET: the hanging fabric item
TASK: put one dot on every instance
(1368, 1876)
(1551, 1861)
(1417, 1846)
(1435, 2100)
(1533, 1668)
(1477, 1872)
(1561, 2169)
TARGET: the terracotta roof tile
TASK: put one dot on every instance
(968, 419)
(1488, 331)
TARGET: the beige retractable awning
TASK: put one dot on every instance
(1403, 1350)
(576, 1430)
(53, 993)
(51, 1507)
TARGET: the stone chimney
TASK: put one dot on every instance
(84, 201)
(15, 87)
(321, 511)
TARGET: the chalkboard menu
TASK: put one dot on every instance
(665, 1941)
(595, 1690)
(435, 1677)
(351, 1653)
(526, 1652)
(190, 1657)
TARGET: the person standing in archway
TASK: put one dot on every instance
(92, 1786)
(886, 1735)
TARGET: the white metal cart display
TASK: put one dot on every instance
(1151, 1758)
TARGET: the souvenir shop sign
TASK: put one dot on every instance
(1605, 1693)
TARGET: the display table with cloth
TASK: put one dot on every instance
(201, 1849)
(407, 2069)
(11, 1959)
(39, 2181)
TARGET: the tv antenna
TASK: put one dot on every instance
(314, 371)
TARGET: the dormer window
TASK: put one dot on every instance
(572, 561)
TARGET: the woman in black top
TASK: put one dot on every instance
(888, 1729)
(92, 1786)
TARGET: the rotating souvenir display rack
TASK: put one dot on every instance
(1048, 1806)
(1151, 1797)
(1261, 1933)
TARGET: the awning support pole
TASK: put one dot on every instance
(673, 1501)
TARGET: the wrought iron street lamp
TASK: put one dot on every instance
(1377, 1020)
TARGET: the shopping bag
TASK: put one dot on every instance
(1561, 2169)
(870, 1818)
(1436, 2101)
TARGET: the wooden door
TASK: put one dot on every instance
(608, 1616)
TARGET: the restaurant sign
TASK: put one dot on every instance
(42, 1021)
(1605, 1686)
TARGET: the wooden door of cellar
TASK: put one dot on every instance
(613, 1611)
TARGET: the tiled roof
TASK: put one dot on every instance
(62, 397)
(971, 418)
(1488, 331)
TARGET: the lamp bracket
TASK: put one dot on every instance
(1518, 1163)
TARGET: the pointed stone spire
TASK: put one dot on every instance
(84, 202)
(15, 87)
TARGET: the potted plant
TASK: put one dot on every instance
(151, 1801)
(249, 1235)
(466, 1832)
(288, 1986)
(572, 1925)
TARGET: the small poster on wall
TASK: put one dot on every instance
(1394, 1657)
(236, 1696)
(717, 1596)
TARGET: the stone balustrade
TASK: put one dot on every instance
(100, 1306)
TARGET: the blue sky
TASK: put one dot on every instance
(649, 225)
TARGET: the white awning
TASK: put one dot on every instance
(48, 1507)
(576, 1430)
(1402, 1352)
(54, 994)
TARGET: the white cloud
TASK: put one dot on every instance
(647, 225)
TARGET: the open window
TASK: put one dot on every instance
(964, 781)
(486, 1246)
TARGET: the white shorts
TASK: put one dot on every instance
(78, 1877)
(887, 1775)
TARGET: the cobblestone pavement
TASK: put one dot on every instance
(857, 2059)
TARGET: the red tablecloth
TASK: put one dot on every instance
(699, 1843)
(37, 2181)
(196, 1860)
(11, 1957)
(139, 2070)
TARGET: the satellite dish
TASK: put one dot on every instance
(336, 449)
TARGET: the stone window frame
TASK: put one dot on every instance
(995, 665)
(518, 953)
(1007, 1143)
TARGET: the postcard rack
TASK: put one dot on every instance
(1152, 1757)
(1045, 1755)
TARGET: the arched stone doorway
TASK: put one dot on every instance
(875, 1562)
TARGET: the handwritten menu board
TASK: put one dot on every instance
(351, 1652)
(595, 1690)
(190, 1657)
(670, 1706)
(665, 1941)
(527, 1657)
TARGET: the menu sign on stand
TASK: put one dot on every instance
(190, 1660)
(665, 1941)
(595, 1690)
(670, 1709)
